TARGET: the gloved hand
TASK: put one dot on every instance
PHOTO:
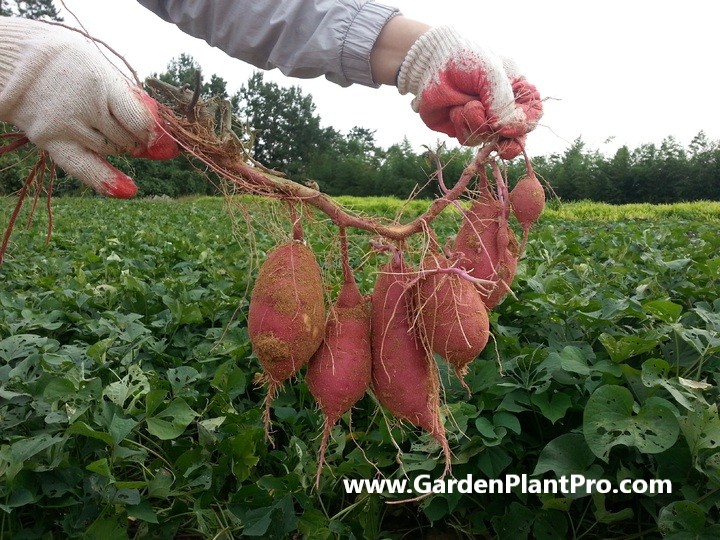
(466, 91)
(59, 89)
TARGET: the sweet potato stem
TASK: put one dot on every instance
(20, 140)
(348, 276)
(32, 178)
(224, 158)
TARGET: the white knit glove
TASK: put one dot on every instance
(466, 91)
(58, 88)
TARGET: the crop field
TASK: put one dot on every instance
(130, 404)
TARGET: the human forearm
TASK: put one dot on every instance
(392, 47)
(302, 38)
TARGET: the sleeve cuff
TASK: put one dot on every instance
(359, 40)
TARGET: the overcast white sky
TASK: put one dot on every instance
(632, 70)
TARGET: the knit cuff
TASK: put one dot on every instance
(427, 57)
(359, 40)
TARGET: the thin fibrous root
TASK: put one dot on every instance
(36, 180)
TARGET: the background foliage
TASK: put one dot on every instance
(30, 9)
(128, 404)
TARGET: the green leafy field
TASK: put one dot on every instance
(128, 404)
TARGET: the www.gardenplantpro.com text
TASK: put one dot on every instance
(564, 485)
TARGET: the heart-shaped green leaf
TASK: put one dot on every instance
(609, 421)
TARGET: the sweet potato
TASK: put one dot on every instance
(485, 244)
(476, 240)
(505, 273)
(404, 374)
(339, 372)
(452, 314)
(508, 251)
(527, 200)
(286, 318)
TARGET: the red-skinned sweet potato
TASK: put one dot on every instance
(527, 200)
(476, 240)
(453, 316)
(286, 317)
(339, 372)
(504, 276)
(486, 245)
(404, 374)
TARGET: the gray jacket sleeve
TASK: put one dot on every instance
(302, 38)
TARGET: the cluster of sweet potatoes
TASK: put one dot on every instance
(386, 342)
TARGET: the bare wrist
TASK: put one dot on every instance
(392, 46)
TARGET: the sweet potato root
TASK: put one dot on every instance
(339, 372)
(404, 374)
(452, 314)
(286, 318)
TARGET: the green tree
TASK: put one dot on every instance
(403, 172)
(570, 171)
(183, 70)
(620, 176)
(645, 159)
(287, 130)
(361, 143)
(347, 165)
(703, 177)
(30, 9)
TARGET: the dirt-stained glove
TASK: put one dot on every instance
(466, 91)
(59, 89)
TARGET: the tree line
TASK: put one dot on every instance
(30, 9)
(286, 134)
